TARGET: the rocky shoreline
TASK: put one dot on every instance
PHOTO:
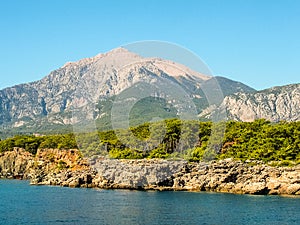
(67, 168)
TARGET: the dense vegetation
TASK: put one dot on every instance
(258, 140)
(31, 143)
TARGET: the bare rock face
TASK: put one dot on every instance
(138, 174)
(237, 177)
(274, 104)
(21, 164)
(16, 164)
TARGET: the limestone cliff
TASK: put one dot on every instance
(67, 168)
(21, 164)
(16, 164)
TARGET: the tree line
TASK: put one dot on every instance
(174, 138)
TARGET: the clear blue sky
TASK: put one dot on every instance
(256, 42)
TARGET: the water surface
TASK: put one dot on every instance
(24, 204)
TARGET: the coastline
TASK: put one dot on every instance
(67, 168)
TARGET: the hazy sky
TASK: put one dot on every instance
(256, 42)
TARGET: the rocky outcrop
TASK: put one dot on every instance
(136, 174)
(21, 164)
(17, 164)
(219, 176)
(67, 168)
(61, 167)
(237, 177)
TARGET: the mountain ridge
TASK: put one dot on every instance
(82, 84)
(274, 104)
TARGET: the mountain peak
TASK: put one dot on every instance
(81, 84)
(120, 53)
(118, 50)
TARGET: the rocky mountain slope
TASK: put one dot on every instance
(89, 85)
(88, 89)
(274, 104)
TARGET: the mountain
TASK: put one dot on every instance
(274, 104)
(228, 86)
(89, 89)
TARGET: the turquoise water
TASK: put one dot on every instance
(24, 204)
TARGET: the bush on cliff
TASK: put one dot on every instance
(31, 143)
(126, 153)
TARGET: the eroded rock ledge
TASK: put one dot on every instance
(68, 168)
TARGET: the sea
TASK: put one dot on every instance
(21, 203)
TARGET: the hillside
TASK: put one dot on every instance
(82, 92)
(274, 104)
